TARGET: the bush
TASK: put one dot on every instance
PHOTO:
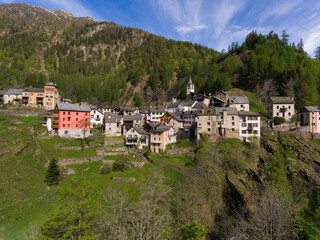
(194, 231)
(53, 173)
(105, 170)
(278, 120)
(120, 165)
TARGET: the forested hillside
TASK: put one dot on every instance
(104, 62)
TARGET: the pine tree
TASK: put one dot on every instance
(53, 173)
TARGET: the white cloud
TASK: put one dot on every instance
(280, 8)
(312, 40)
(6, 1)
(75, 7)
(186, 29)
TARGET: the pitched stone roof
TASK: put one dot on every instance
(248, 113)
(2, 92)
(189, 104)
(135, 117)
(14, 91)
(140, 131)
(51, 84)
(200, 105)
(310, 109)
(112, 118)
(38, 90)
(73, 107)
(230, 111)
(174, 105)
(239, 99)
(157, 109)
(206, 112)
(160, 128)
(176, 116)
(278, 99)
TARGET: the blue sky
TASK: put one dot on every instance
(212, 23)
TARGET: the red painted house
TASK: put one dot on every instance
(71, 120)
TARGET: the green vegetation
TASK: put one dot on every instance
(279, 120)
(194, 231)
(53, 173)
(178, 160)
(122, 64)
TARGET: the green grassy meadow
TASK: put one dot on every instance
(25, 199)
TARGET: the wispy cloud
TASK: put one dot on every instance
(75, 7)
(186, 29)
(6, 1)
(279, 8)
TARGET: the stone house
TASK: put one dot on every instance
(71, 120)
(310, 119)
(112, 124)
(137, 137)
(160, 137)
(173, 120)
(13, 96)
(96, 118)
(280, 107)
(249, 125)
(188, 119)
(241, 103)
(156, 112)
(228, 122)
(51, 96)
(206, 123)
(130, 121)
(33, 97)
(222, 96)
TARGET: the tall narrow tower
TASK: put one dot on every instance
(190, 87)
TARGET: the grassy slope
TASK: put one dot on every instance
(256, 105)
(26, 200)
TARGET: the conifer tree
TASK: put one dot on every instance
(53, 173)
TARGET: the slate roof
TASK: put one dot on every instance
(278, 99)
(248, 113)
(206, 112)
(157, 109)
(174, 105)
(189, 104)
(200, 105)
(160, 128)
(14, 91)
(129, 109)
(230, 111)
(310, 109)
(40, 90)
(50, 84)
(73, 107)
(239, 99)
(136, 117)
(176, 116)
(2, 92)
(140, 130)
(112, 118)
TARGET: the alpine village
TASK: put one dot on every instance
(111, 132)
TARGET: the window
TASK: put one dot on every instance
(68, 113)
(243, 131)
(63, 125)
(244, 124)
(65, 132)
(76, 119)
(64, 113)
(77, 114)
(277, 107)
(86, 114)
(233, 123)
(255, 131)
(289, 113)
(240, 106)
(76, 125)
(232, 129)
(208, 123)
(209, 129)
(68, 118)
(64, 119)
(277, 114)
(289, 107)
(68, 125)
(232, 117)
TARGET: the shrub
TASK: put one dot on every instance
(53, 173)
(120, 165)
(278, 120)
(105, 170)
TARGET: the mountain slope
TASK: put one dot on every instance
(104, 62)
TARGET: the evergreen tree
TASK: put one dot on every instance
(284, 38)
(317, 53)
(53, 173)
